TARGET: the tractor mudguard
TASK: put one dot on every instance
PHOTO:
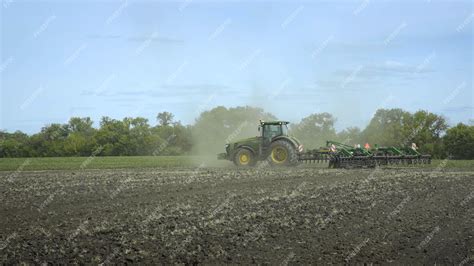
(289, 139)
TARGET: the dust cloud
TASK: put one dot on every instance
(221, 125)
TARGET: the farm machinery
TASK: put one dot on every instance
(275, 146)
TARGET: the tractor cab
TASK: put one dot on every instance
(273, 129)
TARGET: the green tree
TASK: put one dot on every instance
(113, 137)
(314, 130)
(387, 127)
(50, 141)
(139, 132)
(350, 136)
(14, 144)
(459, 142)
(165, 118)
(77, 144)
(214, 128)
(80, 141)
(175, 139)
(82, 125)
(396, 127)
(425, 129)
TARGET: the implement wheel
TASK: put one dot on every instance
(282, 153)
(244, 158)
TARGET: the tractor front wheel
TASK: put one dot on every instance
(282, 153)
(244, 158)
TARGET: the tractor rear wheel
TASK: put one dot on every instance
(244, 158)
(282, 153)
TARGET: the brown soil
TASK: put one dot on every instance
(218, 215)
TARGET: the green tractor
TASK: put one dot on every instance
(273, 144)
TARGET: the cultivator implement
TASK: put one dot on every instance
(340, 155)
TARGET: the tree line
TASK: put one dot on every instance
(213, 128)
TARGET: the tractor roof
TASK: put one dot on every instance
(274, 122)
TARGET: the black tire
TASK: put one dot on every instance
(279, 147)
(239, 160)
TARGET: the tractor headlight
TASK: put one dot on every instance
(300, 148)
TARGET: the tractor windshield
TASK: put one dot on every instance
(271, 131)
(284, 130)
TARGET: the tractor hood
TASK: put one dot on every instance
(252, 143)
(244, 141)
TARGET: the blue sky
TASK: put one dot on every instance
(137, 58)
